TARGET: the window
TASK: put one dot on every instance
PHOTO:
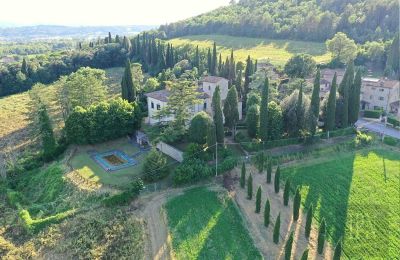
(381, 90)
(158, 107)
(152, 105)
(381, 98)
(205, 106)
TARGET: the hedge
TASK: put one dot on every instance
(126, 196)
(393, 121)
(372, 113)
(34, 225)
(339, 132)
(390, 141)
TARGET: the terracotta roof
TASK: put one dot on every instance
(162, 95)
(390, 83)
(212, 79)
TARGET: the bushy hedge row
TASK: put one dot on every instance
(393, 121)
(390, 141)
(339, 132)
(98, 122)
(126, 196)
(34, 225)
(372, 113)
(191, 171)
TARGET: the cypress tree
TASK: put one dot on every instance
(46, 132)
(307, 228)
(209, 62)
(226, 68)
(258, 200)
(218, 119)
(238, 83)
(269, 171)
(296, 204)
(243, 176)
(24, 67)
(267, 211)
(127, 85)
(232, 69)
(338, 251)
(304, 256)
(255, 67)
(299, 110)
(277, 228)
(354, 99)
(196, 62)
(288, 247)
(109, 37)
(220, 65)
(264, 112)
(393, 57)
(230, 109)
(345, 88)
(331, 107)
(286, 193)
(214, 60)
(314, 106)
(211, 135)
(247, 75)
(276, 181)
(253, 120)
(321, 237)
(250, 187)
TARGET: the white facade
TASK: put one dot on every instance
(380, 94)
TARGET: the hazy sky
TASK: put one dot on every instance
(103, 12)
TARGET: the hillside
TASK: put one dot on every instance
(278, 52)
(362, 20)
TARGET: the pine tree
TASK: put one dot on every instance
(250, 187)
(267, 211)
(321, 237)
(24, 67)
(269, 171)
(286, 193)
(231, 111)
(307, 228)
(314, 106)
(331, 107)
(211, 136)
(288, 247)
(277, 228)
(354, 99)
(243, 176)
(338, 251)
(46, 133)
(304, 256)
(296, 204)
(264, 112)
(258, 200)
(214, 61)
(218, 119)
(276, 181)
(127, 84)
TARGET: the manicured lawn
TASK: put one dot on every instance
(206, 225)
(278, 51)
(358, 195)
(89, 169)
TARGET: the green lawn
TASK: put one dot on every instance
(358, 195)
(278, 51)
(89, 169)
(207, 225)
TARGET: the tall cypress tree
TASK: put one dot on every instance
(258, 200)
(304, 256)
(220, 65)
(296, 204)
(299, 110)
(321, 237)
(264, 111)
(331, 107)
(344, 88)
(354, 99)
(24, 67)
(247, 75)
(277, 228)
(218, 119)
(238, 83)
(393, 57)
(307, 228)
(46, 132)
(232, 69)
(286, 193)
(250, 187)
(211, 135)
(288, 247)
(214, 60)
(243, 176)
(109, 37)
(209, 62)
(338, 251)
(230, 109)
(269, 171)
(127, 85)
(196, 61)
(276, 181)
(314, 106)
(267, 211)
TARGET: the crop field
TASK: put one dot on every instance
(206, 224)
(358, 195)
(277, 51)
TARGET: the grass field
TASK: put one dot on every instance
(206, 225)
(358, 195)
(277, 51)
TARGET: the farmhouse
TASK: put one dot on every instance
(206, 86)
(326, 80)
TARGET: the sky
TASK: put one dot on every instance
(102, 12)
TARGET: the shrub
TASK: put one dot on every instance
(304, 256)
(196, 151)
(390, 141)
(277, 228)
(253, 120)
(296, 204)
(338, 251)
(363, 139)
(191, 171)
(14, 198)
(321, 237)
(258, 200)
(34, 225)
(372, 113)
(228, 164)
(250, 187)
(288, 247)
(198, 126)
(269, 171)
(276, 181)
(126, 196)
(286, 193)
(267, 211)
(243, 176)
(393, 121)
(155, 166)
(308, 221)
(259, 161)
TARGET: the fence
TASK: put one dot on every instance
(170, 151)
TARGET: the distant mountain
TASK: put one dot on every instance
(58, 31)
(315, 20)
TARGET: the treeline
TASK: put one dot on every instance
(36, 47)
(362, 20)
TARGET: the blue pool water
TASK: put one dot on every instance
(99, 158)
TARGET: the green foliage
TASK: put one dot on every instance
(258, 200)
(199, 123)
(277, 228)
(243, 176)
(269, 171)
(286, 192)
(267, 211)
(300, 66)
(321, 237)
(275, 121)
(263, 132)
(125, 197)
(331, 107)
(288, 247)
(338, 251)
(308, 221)
(46, 132)
(129, 88)
(211, 136)
(231, 111)
(304, 256)
(34, 225)
(393, 121)
(250, 187)
(155, 166)
(296, 204)
(354, 100)
(390, 141)
(218, 121)
(315, 103)
(97, 123)
(259, 161)
(363, 139)
(342, 48)
(294, 110)
(253, 98)
(191, 171)
(253, 120)
(372, 113)
(227, 164)
(393, 57)
(276, 181)
(14, 198)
